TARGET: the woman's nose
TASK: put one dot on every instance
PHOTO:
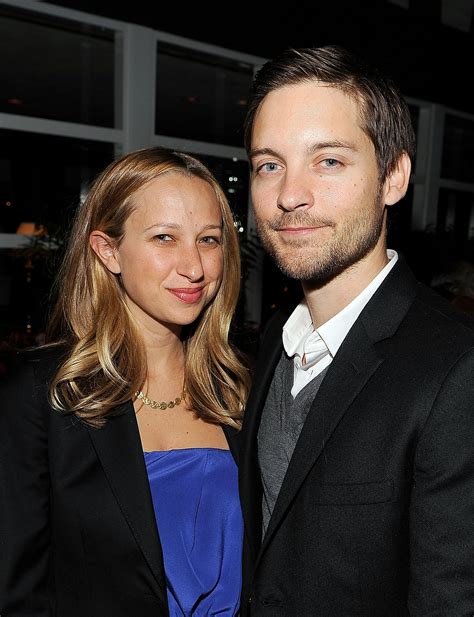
(190, 264)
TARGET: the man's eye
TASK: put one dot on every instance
(331, 162)
(268, 167)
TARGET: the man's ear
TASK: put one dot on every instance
(104, 247)
(396, 184)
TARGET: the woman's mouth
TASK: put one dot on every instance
(189, 295)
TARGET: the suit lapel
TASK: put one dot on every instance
(353, 365)
(249, 474)
(119, 450)
(232, 436)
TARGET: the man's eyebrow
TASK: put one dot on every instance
(312, 149)
(261, 151)
(322, 145)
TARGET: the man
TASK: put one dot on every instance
(357, 477)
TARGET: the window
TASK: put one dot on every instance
(458, 149)
(42, 180)
(200, 96)
(55, 68)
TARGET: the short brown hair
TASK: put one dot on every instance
(385, 116)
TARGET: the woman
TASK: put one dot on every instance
(118, 490)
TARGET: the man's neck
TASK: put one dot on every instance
(324, 302)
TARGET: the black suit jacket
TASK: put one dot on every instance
(78, 535)
(375, 516)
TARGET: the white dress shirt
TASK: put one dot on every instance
(319, 345)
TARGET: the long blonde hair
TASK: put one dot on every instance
(105, 362)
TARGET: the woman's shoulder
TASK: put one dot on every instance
(24, 388)
(37, 364)
(49, 354)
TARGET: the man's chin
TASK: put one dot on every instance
(307, 272)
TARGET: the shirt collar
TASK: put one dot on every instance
(299, 325)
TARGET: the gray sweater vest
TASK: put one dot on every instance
(282, 420)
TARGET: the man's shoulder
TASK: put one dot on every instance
(270, 341)
(435, 309)
(274, 325)
(404, 304)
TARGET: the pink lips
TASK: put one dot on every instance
(190, 295)
(298, 230)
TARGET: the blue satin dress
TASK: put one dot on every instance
(197, 509)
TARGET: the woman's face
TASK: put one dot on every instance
(171, 257)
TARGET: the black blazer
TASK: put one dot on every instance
(78, 535)
(375, 516)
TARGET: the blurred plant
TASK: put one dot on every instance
(33, 268)
(42, 246)
(250, 252)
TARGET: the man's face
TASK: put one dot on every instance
(316, 193)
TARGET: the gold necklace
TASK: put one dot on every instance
(160, 405)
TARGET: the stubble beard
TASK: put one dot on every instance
(351, 240)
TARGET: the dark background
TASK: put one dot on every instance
(427, 58)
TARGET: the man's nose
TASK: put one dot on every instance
(295, 193)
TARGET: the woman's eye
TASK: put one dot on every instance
(162, 237)
(210, 240)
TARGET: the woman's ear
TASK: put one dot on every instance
(105, 249)
(396, 184)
